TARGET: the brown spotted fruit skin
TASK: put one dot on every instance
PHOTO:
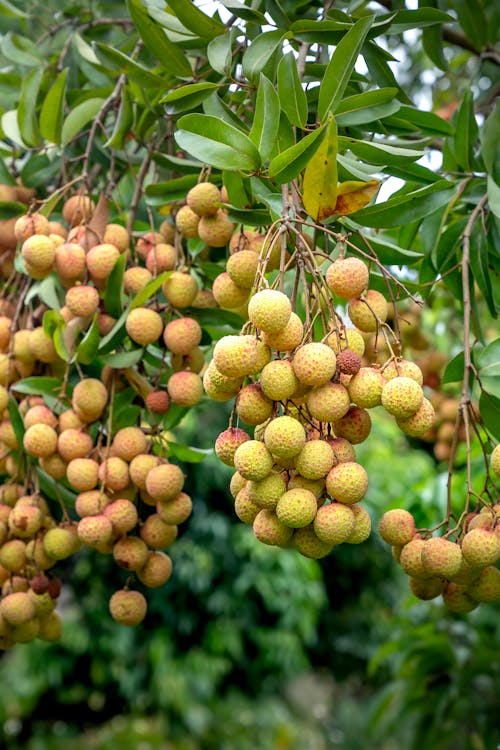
(347, 277)
(401, 397)
(441, 557)
(269, 310)
(397, 527)
(347, 482)
(314, 364)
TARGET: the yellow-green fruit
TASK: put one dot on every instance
(41, 346)
(82, 474)
(157, 569)
(101, 260)
(116, 235)
(123, 516)
(252, 405)
(245, 509)
(44, 604)
(347, 277)
(481, 547)
(278, 380)
(368, 313)
(228, 442)
(89, 399)
(140, 466)
(186, 222)
(21, 349)
(284, 437)
(365, 388)
(227, 294)
(164, 482)
(348, 338)
(269, 310)
(175, 511)
(13, 555)
(347, 482)
(114, 474)
(362, 525)
(50, 627)
(129, 442)
(315, 459)
(144, 326)
(39, 414)
(411, 559)
(263, 357)
(130, 552)
(420, 422)
(161, 258)
(236, 356)
(328, 402)
(180, 289)
(355, 426)
(74, 443)
(487, 587)
(4, 398)
(402, 397)
(334, 523)
(314, 364)
(39, 253)
(237, 483)
(203, 199)
(204, 299)
(297, 508)
(242, 267)
(128, 607)
(167, 230)
(467, 574)
(426, 589)
(17, 608)
(403, 368)
(253, 460)
(215, 231)
(270, 530)
(441, 557)
(25, 520)
(69, 420)
(30, 224)
(456, 598)
(157, 534)
(316, 486)
(26, 632)
(289, 338)
(215, 382)
(495, 460)
(40, 440)
(91, 502)
(95, 530)
(182, 335)
(185, 388)
(135, 279)
(268, 491)
(397, 527)
(307, 543)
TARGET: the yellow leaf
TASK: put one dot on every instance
(353, 195)
(319, 189)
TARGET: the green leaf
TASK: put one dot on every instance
(454, 370)
(87, 348)
(217, 107)
(149, 290)
(490, 143)
(10, 10)
(78, 118)
(287, 165)
(488, 364)
(170, 57)
(55, 490)
(187, 97)
(411, 172)
(123, 122)
(379, 152)
(266, 118)
(366, 100)
(380, 71)
(466, 132)
(39, 386)
(473, 21)
(51, 115)
(113, 294)
(479, 265)
(135, 71)
(341, 66)
(244, 12)
(238, 189)
(220, 51)
(489, 408)
(166, 192)
(28, 126)
(387, 252)
(195, 20)
(427, 122)
(319, 189)
(432, 42)
(9, 128)
(16, 419)
(405, 208)
(20, 50)
(493, 196)
(187, 454)
(292, 97)
(47, 291)
(216, 316)
(217, 143)
(405, 20)
(259, 57)
(250, 217)
(123, 359)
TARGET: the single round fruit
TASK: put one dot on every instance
(368, 313)
(164, 482)
(278, 380)
(397, 527)
(365, 388)
(334, 523)
(315, 459)
(101, 260)
(347, 482)
(252, 405)
(495, 460)
(284, 437)
(419, 422)
(180, 289)
(128, 607)
(156, 571)
(186, 222)
(228, 442)
(216, 230)
(402, 397)
(204, 198)
(242, 267)
(309, 545)
(144, 326)
(253, 460)
(297, 508)
(289, 338)
(40, 440)
(185, 388)
(328, 402)
(267, 491)
(347, 277)
(270, 530)
(441, 557)
(269, 310)
(82, 301)
(182, 335)
(314, 364)
(236, 356)
(77, 209)
(481, 547)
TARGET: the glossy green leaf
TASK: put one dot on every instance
(432, 42)
(427, 122)
(195, 20)
(490, 142)
(78, 118)
(165, 192)
(170, 57)
(466, 132)
(493, 196)
(365, 100)
(473, 21)
(48, 291)
(51, 115)
(16, 419)
(259, 57)
(319, 188)
(187, 97)
(489, 408)
(412, 172)
(113, 294)
(379, 152)
(454, 370)
(244, 11)
(287, 165)
(217, 107)
(39, 386)
(54, 489)
(405, 20)
(488, 364)
(217, 143)
(292, 96)
(26, 120)
(20, 50)
(11, 11)
(238, 189)
(266, 118)
(123, 359)
(86, 351)
(387, 252)
(480, 268)
(380, 71)
(149, 290)
(220, 51)
(341, 66)
(186, 453)
(123, 122)
(406, 207)
(138, 73)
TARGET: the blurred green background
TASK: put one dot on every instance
(254, 647)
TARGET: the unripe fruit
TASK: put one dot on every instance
(161, 258)
(37, 556)
(144, 326)
(252, 406)
(175, 511)
(411, 559)
(95, 530)
(157, 534)
(140, 467)
(164, 482)
(355, 426)
(397, 527)
(203, 199)
(426, 589)
(314, 364)
(123, 516)
(278, 380)
(346, 339)
(39, 253)
(441, 557)
(194, 360)
(61, 542)
(101, 260)
(487, 587)
(82, 301)
(242, 267)
(235, 356)
(182, 335)
(156, 571)
(253, 460)
(456, 598)
(270, 530)
(267, 491)
(13, 555)
(186, 222)
(185, 388)
(284, 437)
(82, 474)
(402, 397)
(368, 313)
(25, 520)
(158, 402)
(315, 459)
(130, 552)
(50, 628)
(227, 294)
(44, 604)
(347, 482)
(73, 443)
(77, 209)
(237, 483)
(403, 368)
(328, 402)
(269, 310)
(245, 509)
(228, 442)
(365, 388)
(114, 474)
(180, 289)
(128, 607)
(215, 231)
(40, 440)
(17, 608)
(116, 235)
(297, 508)
(91, 502)
(307, 543)
(288, 338)
(495, 460)
(135, 279)
(481, 547)
(347, 277)
(89, 399)
(334, 523)
(167, 230)
(42, 347)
